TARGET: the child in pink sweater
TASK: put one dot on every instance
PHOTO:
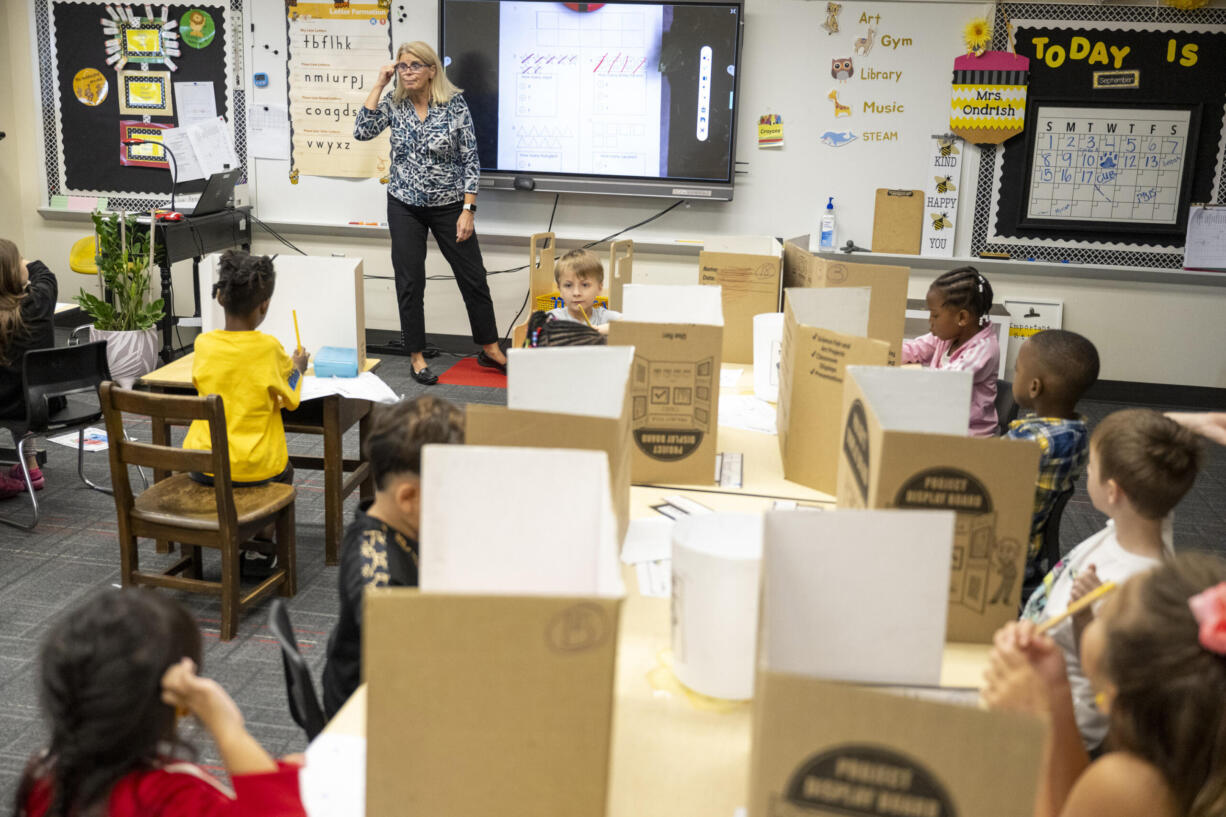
(962, 338)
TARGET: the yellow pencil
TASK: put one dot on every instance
(297, 337)
(583, 312)
(1079, 605)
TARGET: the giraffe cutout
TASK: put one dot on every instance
(839, 108)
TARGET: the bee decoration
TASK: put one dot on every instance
(944, 185)
(940, 221)
(947, 145)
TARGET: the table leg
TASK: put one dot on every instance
(334, 478)
(366, 490)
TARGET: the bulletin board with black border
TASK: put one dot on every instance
(86, 113)
(1153, 81)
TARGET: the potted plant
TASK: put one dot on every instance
(129, 324)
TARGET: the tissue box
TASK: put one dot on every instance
(336, 361)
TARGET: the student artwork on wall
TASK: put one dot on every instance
(134, 52)
(1125, 119)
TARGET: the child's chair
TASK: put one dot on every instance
(179, 509)
(83, 259)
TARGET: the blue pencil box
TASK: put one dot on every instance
(336, 361)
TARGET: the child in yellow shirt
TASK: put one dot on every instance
(251, 372)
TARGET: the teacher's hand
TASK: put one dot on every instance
(464, 226)
(385, 74)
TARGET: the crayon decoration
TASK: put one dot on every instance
(583, 6)
(770, 131)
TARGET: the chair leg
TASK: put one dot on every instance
(129, 558)
(286, 550)
(81, 465)
(230, 556)
(25, 473)
(195, 553)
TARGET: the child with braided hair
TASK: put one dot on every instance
(255, 378)
(962, 338)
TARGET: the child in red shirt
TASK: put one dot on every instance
(116, 675)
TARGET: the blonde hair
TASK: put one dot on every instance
(583, 263)
(12, 293)
(441, 89)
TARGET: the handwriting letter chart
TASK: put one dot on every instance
(1105, 164)
(584, 78)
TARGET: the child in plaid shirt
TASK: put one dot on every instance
(1053, 370)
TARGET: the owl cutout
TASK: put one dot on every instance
(842, 69)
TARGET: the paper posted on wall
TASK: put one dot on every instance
(201, 149)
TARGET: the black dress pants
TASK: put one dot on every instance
(408, 225)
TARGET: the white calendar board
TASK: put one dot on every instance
(1108, 165)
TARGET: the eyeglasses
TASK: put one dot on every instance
(411, 67)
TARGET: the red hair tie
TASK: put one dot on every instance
(1209, 610)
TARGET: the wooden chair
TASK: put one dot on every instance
(179, 509)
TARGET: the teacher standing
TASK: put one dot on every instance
(433, 188)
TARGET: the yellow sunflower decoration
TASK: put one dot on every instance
(978, 33)
(1186, 5)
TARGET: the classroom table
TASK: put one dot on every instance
(330, 417)
(672, 757)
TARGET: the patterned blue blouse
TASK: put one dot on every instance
(433, 162)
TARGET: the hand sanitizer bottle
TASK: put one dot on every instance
(827, 241)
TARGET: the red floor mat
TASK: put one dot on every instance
(468, 372)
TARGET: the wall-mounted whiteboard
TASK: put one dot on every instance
(875, 132)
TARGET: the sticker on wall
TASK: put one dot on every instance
(865, 44)
(196, 28)
(839, 108)
(770, 131)
(90, 86)
(832, 18)
(837, 138)
(842, 69)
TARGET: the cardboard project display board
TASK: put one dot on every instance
(823, 333)
(904, 445)
(505, 681)
(327, 293)
(677, 334)
(748, 269)
(565, 397)
(858, 597)
(887, 310)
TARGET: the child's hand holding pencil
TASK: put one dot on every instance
(300, 356)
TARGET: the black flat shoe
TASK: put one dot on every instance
(425, 376)
(488, 362)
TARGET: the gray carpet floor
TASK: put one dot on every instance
(74, 552)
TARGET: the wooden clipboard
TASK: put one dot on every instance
(898, 221)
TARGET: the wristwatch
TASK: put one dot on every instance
(470, 206)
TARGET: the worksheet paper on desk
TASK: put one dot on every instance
(747, 412)
(332, 783)
(648, 540)
(268, 131)
(728, 378)
(366, 386)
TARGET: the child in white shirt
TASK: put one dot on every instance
(580, 278)
(1141, 465)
